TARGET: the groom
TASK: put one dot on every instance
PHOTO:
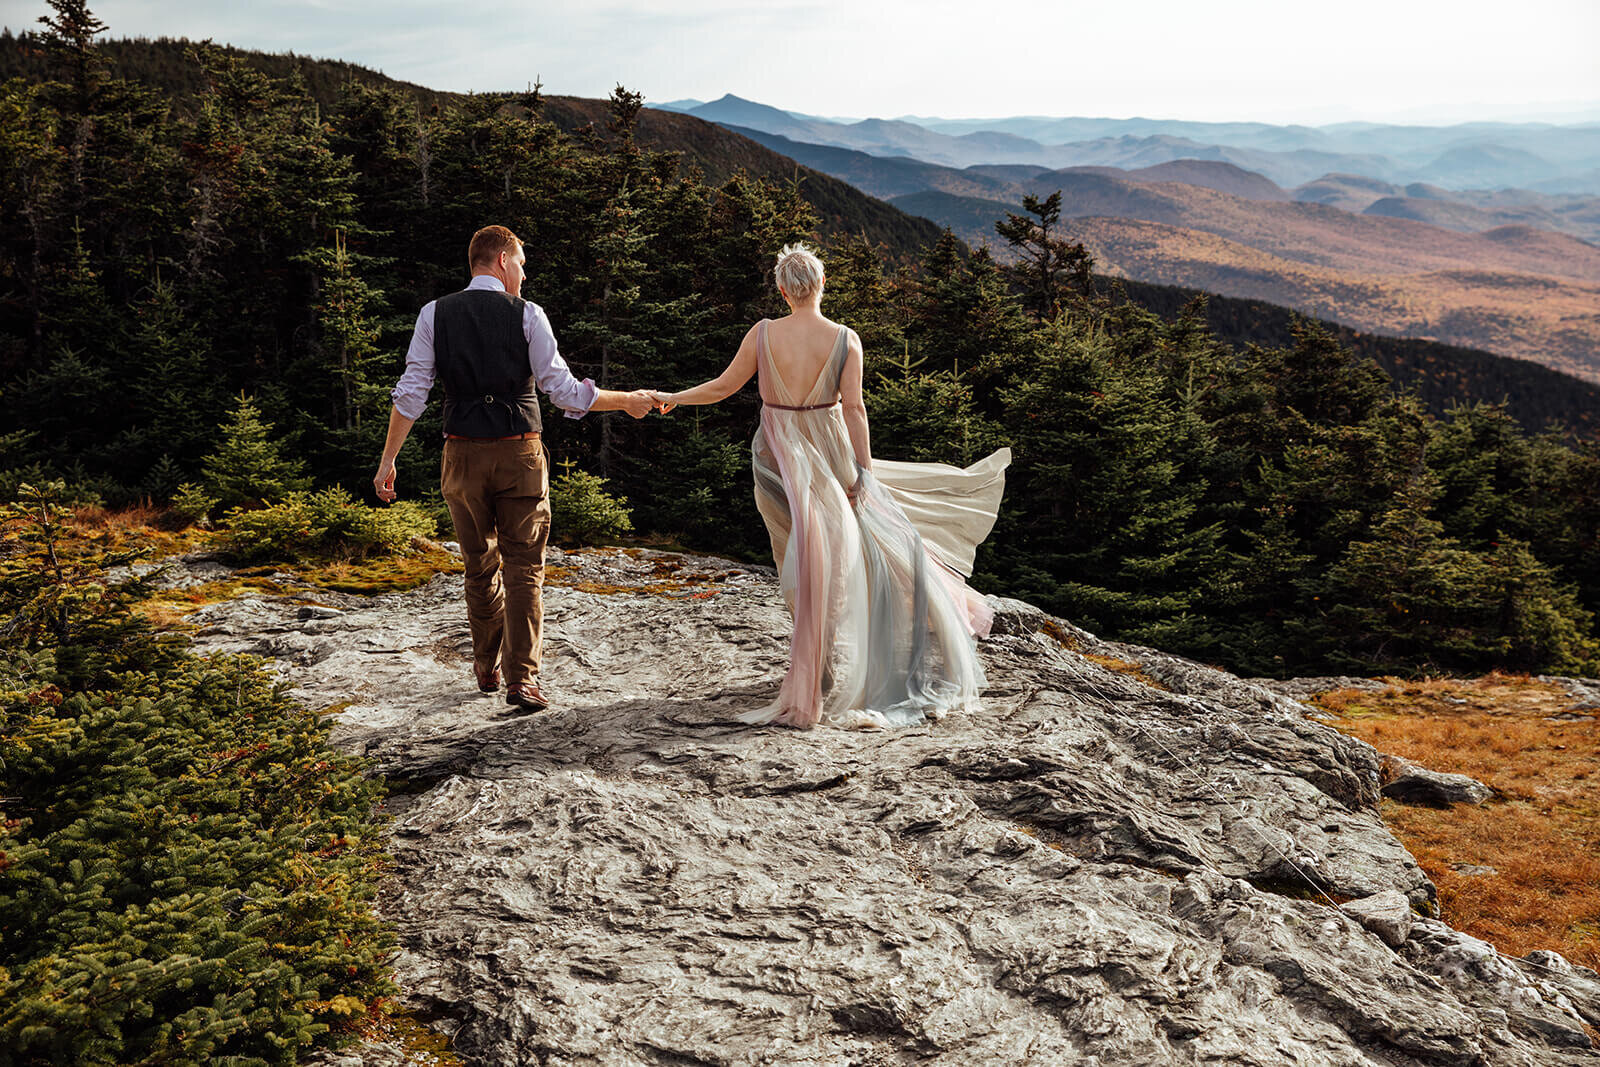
(489, 348)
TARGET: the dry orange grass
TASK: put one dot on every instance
(171, 608)
(1123, 667)
(95, 529)
(378, 574)
(1540, 835)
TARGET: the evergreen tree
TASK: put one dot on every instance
(70, 37)
(248, 468)
(702, 489)
(1484, 464)
(32, 174)
(1052, 269)
(929, 418)
(346, 355)
(583, 513)
(964, 319)
(1106, 477)
(611, 333)
(53, 599)
(1413, 595)
(170, 382)
(1566, 510)
(71, 400)
(857, 294)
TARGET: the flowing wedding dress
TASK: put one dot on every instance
(884, 626)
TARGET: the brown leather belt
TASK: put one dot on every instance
(529, 436)
(808, 407)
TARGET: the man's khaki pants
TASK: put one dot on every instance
(499, 498)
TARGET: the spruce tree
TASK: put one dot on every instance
(963, 319)
(248, 468)
(1484, 464)
(1052, 270)
(1109, 491)
(929, 418)
(1412, 595)
(32, 174)
(345, 355)
(1564, 510)
(70, 37)
(858, 295)
(169, 377)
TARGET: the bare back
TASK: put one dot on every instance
(799, 350)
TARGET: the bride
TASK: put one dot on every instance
(871, 554)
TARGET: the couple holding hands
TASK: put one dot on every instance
(871, 554)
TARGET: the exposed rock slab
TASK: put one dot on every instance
(1585, 692)
(176, 572)
(1412, 783)
(1091, 868)
(1387, 914)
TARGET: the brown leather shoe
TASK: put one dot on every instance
(526, 695)
(488, 683)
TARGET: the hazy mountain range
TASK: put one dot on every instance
(1537, 156)
(1468, 211)
(1361, 237)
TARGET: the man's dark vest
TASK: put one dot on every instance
(481, 358)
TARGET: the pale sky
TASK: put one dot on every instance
(1246, 60)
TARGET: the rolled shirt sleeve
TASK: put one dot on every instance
(410, 394)
(550, 371)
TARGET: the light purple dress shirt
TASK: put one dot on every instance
(550, 371)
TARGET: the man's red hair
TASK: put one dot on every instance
(488, 243)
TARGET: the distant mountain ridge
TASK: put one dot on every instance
(889, 177)
(1511, 271)
(1552, 321)
(1539, 156)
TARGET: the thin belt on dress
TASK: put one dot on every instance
(529, 436)
(808, 407)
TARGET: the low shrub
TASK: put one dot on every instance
(186, 866)
(583, 513)
(329, 522)
(191, 504)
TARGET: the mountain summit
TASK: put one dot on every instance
(1121, 857)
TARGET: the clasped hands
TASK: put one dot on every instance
(640, 402)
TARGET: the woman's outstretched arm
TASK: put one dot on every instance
(723, 385)
(855, 408)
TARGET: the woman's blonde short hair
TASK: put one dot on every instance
(799, 272)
